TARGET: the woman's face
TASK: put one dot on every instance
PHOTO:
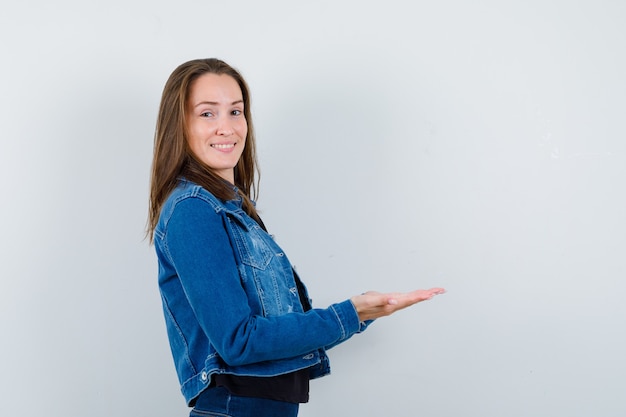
(216, 124)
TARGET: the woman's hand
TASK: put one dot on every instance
(372, 305)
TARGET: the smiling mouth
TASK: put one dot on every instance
(223, 146)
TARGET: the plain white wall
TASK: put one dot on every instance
(478, 146)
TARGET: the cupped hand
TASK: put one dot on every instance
(372, 305)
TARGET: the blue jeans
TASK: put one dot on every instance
(218, 402)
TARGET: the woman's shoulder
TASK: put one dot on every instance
(186, 189)
(188, 193)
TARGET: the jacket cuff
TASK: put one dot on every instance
(348, 319)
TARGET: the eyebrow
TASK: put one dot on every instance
(215, 103)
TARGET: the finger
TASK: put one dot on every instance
(418, 296)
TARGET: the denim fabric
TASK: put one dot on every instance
(229, 297)
(218, 402)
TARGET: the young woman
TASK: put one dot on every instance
(243, 334)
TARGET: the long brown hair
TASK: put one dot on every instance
(172, 157)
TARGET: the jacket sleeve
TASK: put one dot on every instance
(199, 249)
(362, 326)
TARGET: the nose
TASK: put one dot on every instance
(224, 127)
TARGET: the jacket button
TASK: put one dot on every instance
(204, 376)
(309, 356)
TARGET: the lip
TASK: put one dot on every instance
(224, 147)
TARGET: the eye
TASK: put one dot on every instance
(206, 114)
(236, 112)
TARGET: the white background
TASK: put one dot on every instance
(479, 146)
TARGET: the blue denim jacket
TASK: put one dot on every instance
(229, 297)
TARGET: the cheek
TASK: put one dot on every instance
(190, 134)
(192, 141)
(243, 128)
(195, 144)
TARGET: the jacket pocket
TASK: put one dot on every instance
(251, 247)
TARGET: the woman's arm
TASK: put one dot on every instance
(200, 250)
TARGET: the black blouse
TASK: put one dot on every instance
(292, 387)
